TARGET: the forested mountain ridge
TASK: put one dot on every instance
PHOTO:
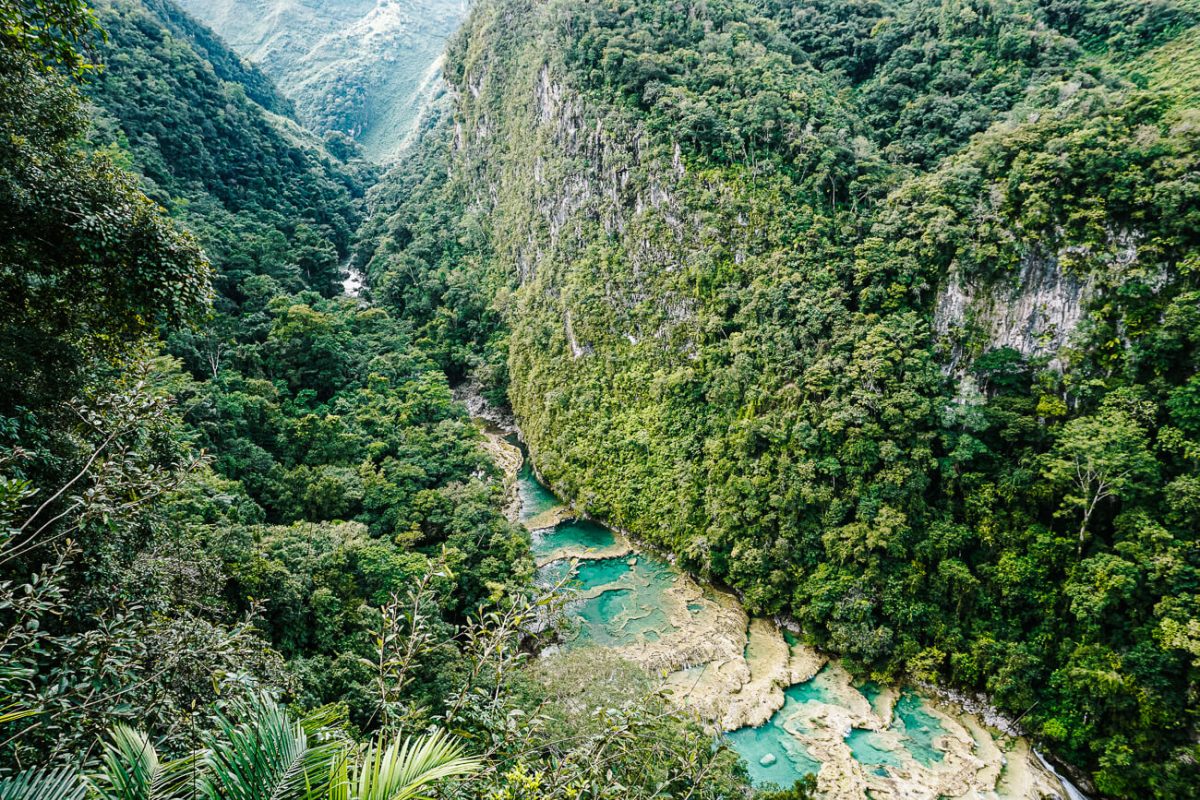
(211, 152)
(251, 547)
(361, 68)
(883, 313)
(311, 408)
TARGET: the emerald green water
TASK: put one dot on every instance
(870, 748)
(621, 602)
(913, 727)
(620, 599)
(576, 535)
(791, 760)
(818, 690)
(602, 572)
(917, 728)
(920, 728)
(616, 618)
(535, 498)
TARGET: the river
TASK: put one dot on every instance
(788, 709)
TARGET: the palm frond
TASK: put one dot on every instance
(269, 756)
(12, 713)
(339, 779)
(403, 770)
(322, 719)
(43, 784)
(132, 770)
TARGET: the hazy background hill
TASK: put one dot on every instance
(362, 67)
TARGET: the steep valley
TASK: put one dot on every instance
(845, 306)
(859, 341)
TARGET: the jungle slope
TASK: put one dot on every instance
(333, 439)
(884, 314)
(252, 486)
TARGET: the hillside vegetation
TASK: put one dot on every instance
(251, 547)
(883, 313)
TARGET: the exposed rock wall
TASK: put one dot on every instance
(1035, 311)
(562, 176)
(1035, 314)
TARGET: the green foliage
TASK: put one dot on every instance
(155, 590)
(110, 267)
(1100, 457)
(132, 769)
(762, 273)
(422, 259)
(264, 754)
(803, 789)
(182, 532)
(742, 268)
(1121, 27)
(604, 731)
(401, 770)
(314, 409)
(268, 754)
(583, 723)
(44, 784)
(225, 63)
(47, 32)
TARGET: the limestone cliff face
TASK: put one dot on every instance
(595, 224)
(556, 177)
(1035, 312)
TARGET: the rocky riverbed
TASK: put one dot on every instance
(787, 708)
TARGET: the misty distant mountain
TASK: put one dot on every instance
(362, 67)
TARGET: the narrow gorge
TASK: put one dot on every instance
(600, 399)
(857, 310)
